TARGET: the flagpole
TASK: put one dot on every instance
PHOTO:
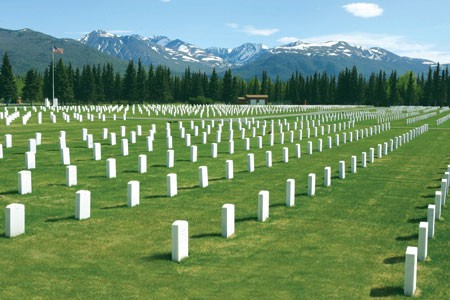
(53, 76)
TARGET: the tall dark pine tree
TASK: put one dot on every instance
(129, 84)
(32, 89)
(141, 83)
(227, 87)
(213, 88)
(8, 88)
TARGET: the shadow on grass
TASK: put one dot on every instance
(206, 235)
(218, 179)
(394, 260)
(246, 219)
(301, 194)
(59, 219)
(434, 187)
(11, 192)
(158, 256)
(422, 207)
(96, 177)
(417, 220)
(56, 184)
(189, 187)
(129, 171)
(427, 196)
(386, 291)
(183, 160)
(407, 237)
(115, 206)
(155, 196)
(277, 205)
(158, 166)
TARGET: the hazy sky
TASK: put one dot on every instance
(415, 28)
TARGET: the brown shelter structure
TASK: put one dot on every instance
(254, 100)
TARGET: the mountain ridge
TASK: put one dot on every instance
(247, 60)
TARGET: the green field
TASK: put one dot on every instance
(346, 242)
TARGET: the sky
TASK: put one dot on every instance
(413, 28)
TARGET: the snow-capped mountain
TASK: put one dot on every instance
(239, 55)
(153, 50)
(250, 59)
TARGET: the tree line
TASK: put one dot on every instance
(97, 84)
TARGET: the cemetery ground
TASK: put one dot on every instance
(346, 242)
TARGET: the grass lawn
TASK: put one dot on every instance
(346, 242)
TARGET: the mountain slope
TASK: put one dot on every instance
(31, 49)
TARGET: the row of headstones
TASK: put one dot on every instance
(426, 231)
(442, 120)
(71, 171)
(173, 110)
(180, 237)
(15, 213)
(420, 118)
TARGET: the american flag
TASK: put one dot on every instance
(58, 50)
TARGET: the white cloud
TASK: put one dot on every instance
(397, 44)
(233, 25)
(165, 1)
(364, 10)
(251, 30)
(119, 31)
(288, 39)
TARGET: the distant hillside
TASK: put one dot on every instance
(31, 49)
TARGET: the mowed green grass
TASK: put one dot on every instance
(347, 242)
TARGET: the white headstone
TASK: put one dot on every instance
(1, 151)
(410, 271)
(32, 145)
(193, 153)
(170, 158)
(8, 141)
(14, 220)
(309, 147)
(124, 147)
(30, 160)
(371, 155)
(437, 204)
(311, 184)
(203, 176)
(142, 163)
(285, 154)
(111, 168)
(423, 241)
(364, 159)
(290, 192)
(90, 141)
(341, 169)
(227, 220)
(250, 162)
(133, 189)
(214, 150)
(263, 205)
(354, 164)
(71, 176)
(82, 205)
(269, 159)
(24, 182)
(169, 142)
(180, 240)
(97, 151)
(112, 138)
(379, 151)
(172, 185)
(229, 170)
(431, 220)
(231, 147)
(444, 191)
(327, 176)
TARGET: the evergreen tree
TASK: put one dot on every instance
(32, 90)
(213, 87)
(141, 83)
(8, 88)
(227, 87)
(129, 84)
